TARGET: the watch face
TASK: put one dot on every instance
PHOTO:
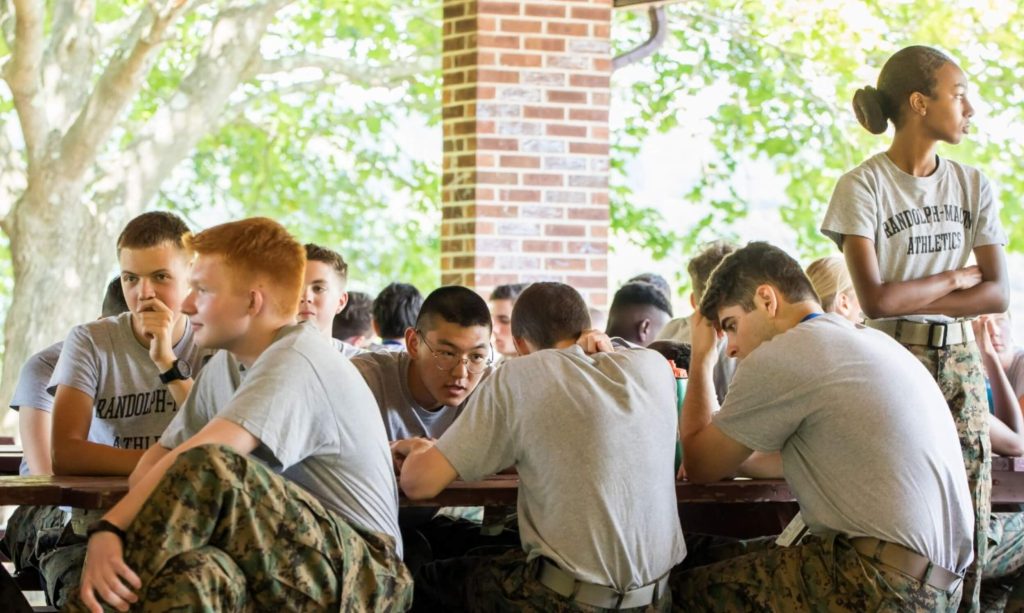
(184, 368)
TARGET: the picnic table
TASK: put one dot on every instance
(496, 491)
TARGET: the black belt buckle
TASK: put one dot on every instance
(937, 330)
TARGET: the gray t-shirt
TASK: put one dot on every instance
(315, 418)
(868, 444)
(387, 375)
(345, 349)
(594, 440)
(920, 225)
(34, 379)
(678, 330)
(103, 359)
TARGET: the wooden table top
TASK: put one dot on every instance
(499, 490)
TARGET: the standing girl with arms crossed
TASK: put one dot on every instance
(907, 222)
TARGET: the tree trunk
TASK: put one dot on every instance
(62, 253)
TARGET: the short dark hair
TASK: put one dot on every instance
(639, 293)
(455, 304)
(356, 319)
(395, 308)
(508, 291)
(316, 253)
(153, 229)
(678, 353)
(740, 274)
(704, 263)
(549, 312)
(911, 69)
(654, 279)
(113, 299)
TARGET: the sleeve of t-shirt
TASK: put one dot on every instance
(479, 443)
(990, 229)
(852, 209)
(32, 383)
(79, 364)
(763, 407)
(284, 405)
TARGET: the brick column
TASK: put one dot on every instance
(525, 117)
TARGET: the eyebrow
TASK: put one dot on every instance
(452, 345)
(139, 274)
(317, 281)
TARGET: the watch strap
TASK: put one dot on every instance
(103, 525)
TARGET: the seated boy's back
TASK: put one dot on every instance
(593, 439)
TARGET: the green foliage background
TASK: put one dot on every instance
(789, 69)
(334, 163)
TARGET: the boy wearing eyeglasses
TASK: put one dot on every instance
(421, 390)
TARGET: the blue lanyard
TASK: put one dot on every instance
(810, 316)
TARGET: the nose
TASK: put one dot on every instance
(188, 306)
(732, 349)
(461, 368)
(307, 296)
(145, 288)
(968, 108)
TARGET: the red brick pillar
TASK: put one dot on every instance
(525, 116)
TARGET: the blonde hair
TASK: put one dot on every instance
(830, 278)
(259, 246)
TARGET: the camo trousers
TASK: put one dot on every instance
(222, 532)
(958, 371)
(505, 582)
(819, 574)
(42, 538)
(1002, 586)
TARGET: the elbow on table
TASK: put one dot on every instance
(61, 461)
(696, 473)
(417, 489)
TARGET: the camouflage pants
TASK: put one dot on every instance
(41, 538)
(817, 575)
(505, 582)
(958, 371)
(1002, 586)
(222, 532)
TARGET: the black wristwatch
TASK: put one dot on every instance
(104, 526)
(179, 370)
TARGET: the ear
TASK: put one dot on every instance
(693, 301)
(842, 304)
(342, 303)
(256, 302)
(643, 328)
(522, 347)
(376, 327)
(412, 340)
(918, 104)
(767, 298)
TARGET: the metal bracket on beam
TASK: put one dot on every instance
(656, 14)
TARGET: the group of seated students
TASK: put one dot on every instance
(265, 456)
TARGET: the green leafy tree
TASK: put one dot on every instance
(273, 107)
(786, 71)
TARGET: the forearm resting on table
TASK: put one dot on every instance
(73, 456)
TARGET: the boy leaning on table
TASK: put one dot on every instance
(597, 510)
(309, 522)
(887, 505)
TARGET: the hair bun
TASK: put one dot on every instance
(867, 105)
